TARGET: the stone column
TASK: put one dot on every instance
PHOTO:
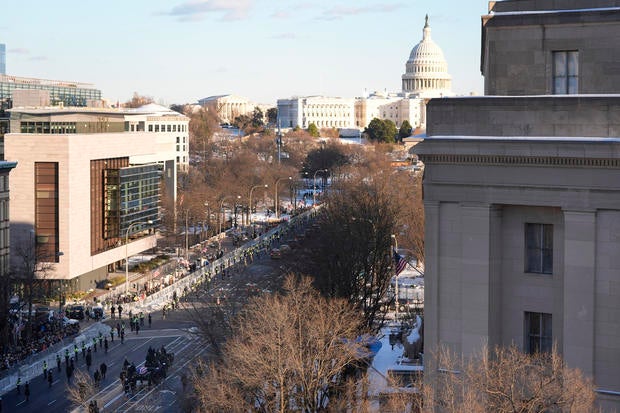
(480, 276)
(431, 276)
(579, 289)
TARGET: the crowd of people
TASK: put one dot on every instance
(45, 332)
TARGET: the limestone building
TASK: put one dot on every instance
(522, 192)
(228, 107)
(86, 179)
(323, 111)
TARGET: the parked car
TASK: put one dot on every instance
(275, 254)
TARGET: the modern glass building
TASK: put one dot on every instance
(68, 93)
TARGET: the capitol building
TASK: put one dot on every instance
(426, 76)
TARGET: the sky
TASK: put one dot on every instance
(179, 51)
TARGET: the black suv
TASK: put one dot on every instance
(76, 312)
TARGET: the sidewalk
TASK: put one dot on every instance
(33, 366)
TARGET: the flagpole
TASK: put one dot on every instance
(396, 277)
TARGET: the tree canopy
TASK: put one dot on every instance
(405, 130)
(313, 130)
(379, 130)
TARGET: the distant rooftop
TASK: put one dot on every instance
(44, 82)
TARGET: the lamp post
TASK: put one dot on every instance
(250, 206)
(276, 195)
(314, 186)
(149, 222)
(208, 221)
(221, 213)
(58, 255)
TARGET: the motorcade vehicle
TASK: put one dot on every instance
(76, 311)
(275, 254)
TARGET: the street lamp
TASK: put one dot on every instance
(58, 255)
(149, 222)
(276, 196)
(222, 206)
(314, 186)
(250, 206)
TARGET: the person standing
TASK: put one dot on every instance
(89, 360)
(118, 329)
(122, 336)
(44, 369)
(137, 326)
(58, 362)
(27, 391)
(105, 345)
(103, 368)
(150, 320)
(50, 379)
(18, 384)
(120, 311)
(112, 311)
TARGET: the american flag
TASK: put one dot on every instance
(399, 263)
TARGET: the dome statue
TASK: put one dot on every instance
(427, 70)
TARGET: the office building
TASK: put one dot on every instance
(323, 111)
(522, 192)
(87, 178)
(68, 93)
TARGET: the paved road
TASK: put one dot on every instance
(173, 333)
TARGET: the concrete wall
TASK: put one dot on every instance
(566, 116)
(478, 195)
(517, 49)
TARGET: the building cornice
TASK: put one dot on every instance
(515, 160)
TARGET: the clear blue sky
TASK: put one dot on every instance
(179, 51)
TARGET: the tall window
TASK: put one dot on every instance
(539, 248)
(538, 333)
(46, 211)
(566, 72)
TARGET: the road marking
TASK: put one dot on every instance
(52, 402)
(54, 382)
(113, 400)
(23, 401)
(140, 345)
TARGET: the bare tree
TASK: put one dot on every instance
(32, 267)
(82, 388)
(138, 100)
(505, 380)
(353, 258)
(288, 352)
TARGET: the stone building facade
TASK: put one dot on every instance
(522, 192)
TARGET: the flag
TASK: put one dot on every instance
(399, 263)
